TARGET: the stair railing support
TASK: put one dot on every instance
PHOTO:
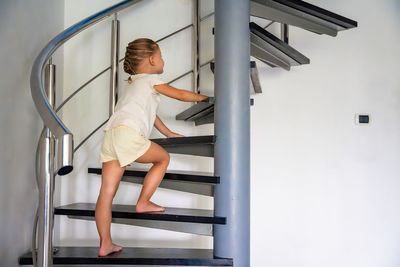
(196, 48)
(45, 180)
(285, 33)
(232, 129)
(114, 64)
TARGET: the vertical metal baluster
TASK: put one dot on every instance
(114, 64)
(285, 32)
(45, 181)
(196, 47)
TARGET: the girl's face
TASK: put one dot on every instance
(158, 62)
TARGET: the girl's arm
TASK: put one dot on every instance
(163, 129)
(179, 94)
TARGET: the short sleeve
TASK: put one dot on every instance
(156, 79)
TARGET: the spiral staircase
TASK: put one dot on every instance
(56, 148)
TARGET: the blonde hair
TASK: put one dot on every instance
(136, 52)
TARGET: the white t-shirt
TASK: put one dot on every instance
(137, 105)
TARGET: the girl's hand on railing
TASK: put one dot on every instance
(172, 134)
(206, 99)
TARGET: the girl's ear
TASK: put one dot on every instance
(151, 60)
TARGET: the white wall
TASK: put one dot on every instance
(323, 188)
(24, 30)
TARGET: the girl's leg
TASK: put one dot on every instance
(160, 159)
(111, 176)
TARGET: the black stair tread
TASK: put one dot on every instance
(187, 140)
(290, 52)
(205, 119)
(199, 111)
(129, 212)
(319, 12)
(271, 50)
(187, 176)
(301, 14)
(199, 107)
(135, 255)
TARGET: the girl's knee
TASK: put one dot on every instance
(108, 191)
(164, 160)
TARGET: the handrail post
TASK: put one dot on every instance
(45, 181)
(114, 63)
(285, 32)
(196, 47)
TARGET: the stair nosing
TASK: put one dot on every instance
(195, 178)
(179, 256)
(187, 140)
(206, 105)
(320, 13)
(69, 211)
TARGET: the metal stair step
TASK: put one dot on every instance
(188, 145)
(270, 50)
(273, 51)
(201, 113)
(196, 109)
(301, 14)
(134, 256)
(192, 182)
(183, 176)
(128, 212)
(187, 140)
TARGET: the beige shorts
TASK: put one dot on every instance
(124, 144)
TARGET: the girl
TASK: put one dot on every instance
(127, 132)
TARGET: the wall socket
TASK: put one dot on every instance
(362, 119)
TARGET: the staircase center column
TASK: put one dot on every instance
(232, 128)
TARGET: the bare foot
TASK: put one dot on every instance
(148, 207)
(107, 250)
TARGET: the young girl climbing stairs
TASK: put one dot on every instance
(127, 132)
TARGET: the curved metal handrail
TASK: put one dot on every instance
(51, 120)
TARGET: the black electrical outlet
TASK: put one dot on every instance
(363, 118)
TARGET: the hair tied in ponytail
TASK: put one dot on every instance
(129, 80)
(137, 51)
